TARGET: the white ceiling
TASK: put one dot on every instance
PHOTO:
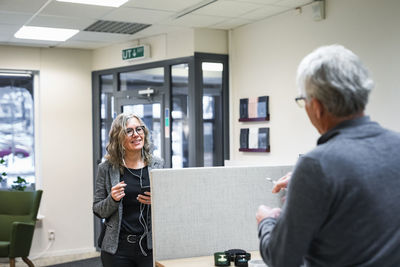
(161, 14)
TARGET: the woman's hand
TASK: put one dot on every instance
(118, 191)
(282, 183)
(145, 199)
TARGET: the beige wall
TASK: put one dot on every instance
(165, 46)
(265, 56)
(64, 144)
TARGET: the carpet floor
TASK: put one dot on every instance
(92, 262)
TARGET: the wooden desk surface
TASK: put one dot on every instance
(206, 261)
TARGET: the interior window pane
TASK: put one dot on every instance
(141, 79)
(17, 131)
(179, 116)
(106, 108)
(106, 82)
(208, 144)
(212, 107)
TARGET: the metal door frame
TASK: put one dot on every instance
(195, 109)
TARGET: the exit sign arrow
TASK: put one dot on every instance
(138, 52)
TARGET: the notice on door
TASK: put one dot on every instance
(167, 123)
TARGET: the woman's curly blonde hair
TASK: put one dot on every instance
(115, 148)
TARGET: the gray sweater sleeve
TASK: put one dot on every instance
(285, 241)
(103, 204)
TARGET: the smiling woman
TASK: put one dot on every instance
(122, 194)
(17, 126)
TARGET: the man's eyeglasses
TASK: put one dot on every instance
(139, 130)
(301, 101)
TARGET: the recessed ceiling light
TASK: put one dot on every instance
(112, 3)
(45, 33)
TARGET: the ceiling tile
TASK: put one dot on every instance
(261, 2)
(169, 5)
(75, 10)
(292, 3)
(159, 29)
(14, 18)
(7, 32)
(222, 14)
(231, 24)
(193, 21)
(24, 6)
(61, 22)
(137, 15)
(101, 37)
(226, 8)
(264, 12)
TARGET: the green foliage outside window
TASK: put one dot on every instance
(2, 161)
(19, 185)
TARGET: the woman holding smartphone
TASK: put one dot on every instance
(122, 194)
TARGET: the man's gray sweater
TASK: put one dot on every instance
(343, 202)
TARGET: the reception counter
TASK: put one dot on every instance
(206, 261)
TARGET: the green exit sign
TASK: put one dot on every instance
(138, 52)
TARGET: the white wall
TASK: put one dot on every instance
(111, 56)
(164, 46)
(265, 56)
(64, 142)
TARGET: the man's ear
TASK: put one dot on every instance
(318, 108)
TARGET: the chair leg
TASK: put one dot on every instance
(12, 262)
(27, 261)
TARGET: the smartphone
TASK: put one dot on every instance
(145, 189)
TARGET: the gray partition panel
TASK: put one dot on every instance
(199, 211)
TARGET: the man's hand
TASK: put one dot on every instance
(282, 183)
(265, 212)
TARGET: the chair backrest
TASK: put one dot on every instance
(17, 206)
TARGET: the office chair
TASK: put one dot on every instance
(18, 211)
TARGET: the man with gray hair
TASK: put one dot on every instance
(342, 206)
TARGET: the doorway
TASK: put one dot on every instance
(184, 102)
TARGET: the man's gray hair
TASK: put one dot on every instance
(335, 76)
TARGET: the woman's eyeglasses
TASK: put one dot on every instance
(139, 130)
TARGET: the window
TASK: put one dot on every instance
(17, 128)
(212, 108)
(179, 115)
(141, 79)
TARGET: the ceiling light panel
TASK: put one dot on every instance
(138, 15)
(61, 22)
(45, 33)
(110, 3)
